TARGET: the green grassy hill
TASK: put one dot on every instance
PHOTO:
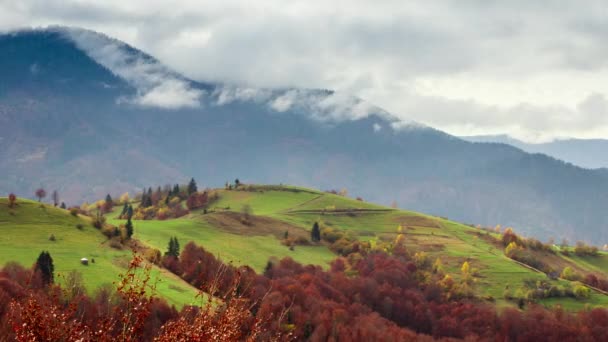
(26, 230)
(253, 235)
(276, 209)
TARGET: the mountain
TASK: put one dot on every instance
(86, 115)
(587, 153)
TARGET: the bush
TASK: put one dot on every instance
(79, 226)
(52, 237)
(74, 211)
(115, 243)
(581, 291)
(99, 221)
(569, 274)
(153, 255)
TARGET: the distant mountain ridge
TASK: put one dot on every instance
(587, 153)
(88, 120)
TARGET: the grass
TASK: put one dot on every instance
(253, 250)
(276, 209)
(25, 233)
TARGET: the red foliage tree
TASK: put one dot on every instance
(12, 200)
(40, 193)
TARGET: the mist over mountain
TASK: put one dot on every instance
(87, 115)
(587, 153)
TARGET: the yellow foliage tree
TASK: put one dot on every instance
(437, 266)
(511, 248)
(124, 198)
(400, 229)
(466, 268)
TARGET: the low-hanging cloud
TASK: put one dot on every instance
(156, 86)
(518, 67)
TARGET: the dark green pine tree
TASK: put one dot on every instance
(176, 190)
(45, 266)
(130, 212)
(109, 199)
(315, 233)
(192, 187)
(125, 208)
(173, 247)
(129, 228)
(63, 206)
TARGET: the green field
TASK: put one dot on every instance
(25, 233)
(274, 210)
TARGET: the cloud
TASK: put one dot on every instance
(156, 85)
(519, 67)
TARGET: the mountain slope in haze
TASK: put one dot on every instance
(587, 153)
(87, 115)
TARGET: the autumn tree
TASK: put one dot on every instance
(40, 193)
(192, 187)
(44, 265)
(315, 233)
(124, 198)
(55, 197)
(12, 199)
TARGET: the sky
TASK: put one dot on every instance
(536, 70)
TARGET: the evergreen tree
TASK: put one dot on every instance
(130, 212)
(129, 228)
(109, 199)
(237, 182)
(45, 266)
(125, 208)
(192, 187)
(173, 247)
(63, 206)
(315, 233)
(176, 190)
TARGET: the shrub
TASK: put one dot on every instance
(569, 274)
(99, 221)
(79, 226)
(115, 243)
(153, 255)
(52, 237)
(74, 211)
(581, 291)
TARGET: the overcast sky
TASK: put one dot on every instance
(532, 69)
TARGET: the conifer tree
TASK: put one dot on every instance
(315, 233)
(192, 188)
(109, 199)
(173, 247)
(125, 208)
(176, 190)
(63, 206)
(129, 228)
(130, 212)
(45, 266)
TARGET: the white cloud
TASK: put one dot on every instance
(156, 85)
(519, 67)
